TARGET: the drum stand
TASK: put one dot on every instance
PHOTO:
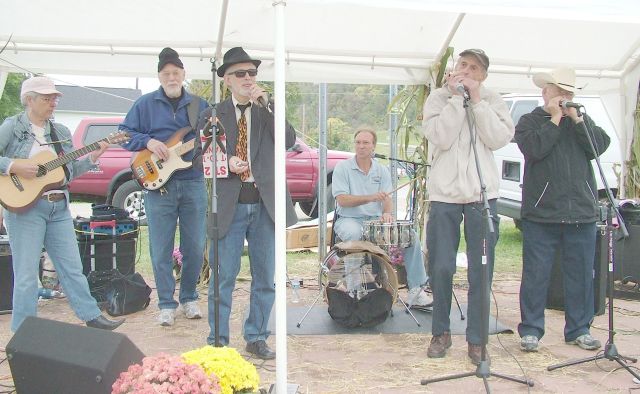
(483, 370)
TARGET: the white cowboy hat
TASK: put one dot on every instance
(563, 77)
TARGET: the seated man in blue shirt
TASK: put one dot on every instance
(361, 187)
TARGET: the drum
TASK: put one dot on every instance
(360, 284)
(387, 235)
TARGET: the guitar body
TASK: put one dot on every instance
(151, 172)
(19, 194)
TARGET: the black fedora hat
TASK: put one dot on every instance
(234, 56)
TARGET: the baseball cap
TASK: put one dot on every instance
(478, 54)
(40, 85)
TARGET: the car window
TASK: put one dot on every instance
(522, 107)
(97, 132)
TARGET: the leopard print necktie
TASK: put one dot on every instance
(241, 148)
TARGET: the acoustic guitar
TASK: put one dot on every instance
(151, 172)
(17, 194)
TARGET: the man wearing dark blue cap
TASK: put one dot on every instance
(247, 200)
(152, 120)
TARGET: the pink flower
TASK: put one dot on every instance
(165, 374)
(177, 256)
(396, 255)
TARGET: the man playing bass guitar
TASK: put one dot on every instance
(152, 121)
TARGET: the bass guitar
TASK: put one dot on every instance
(17, 194)
(151, 172)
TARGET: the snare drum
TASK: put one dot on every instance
(386, 235)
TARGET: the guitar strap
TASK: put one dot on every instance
(58, 148)
(193, 110)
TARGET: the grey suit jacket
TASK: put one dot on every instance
(262, 163)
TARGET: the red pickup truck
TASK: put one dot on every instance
(113, 183)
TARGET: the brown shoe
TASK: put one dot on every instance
(439, 345)
(475, 353)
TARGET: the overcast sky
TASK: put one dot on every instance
(145, 84)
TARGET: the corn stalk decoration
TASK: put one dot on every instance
(409, 101)
(632, 179)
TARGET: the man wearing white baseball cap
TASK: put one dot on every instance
(559, 209)
(47, 222)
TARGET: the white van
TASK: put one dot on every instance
(510, 161)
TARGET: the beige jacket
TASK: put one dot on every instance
(453, 177)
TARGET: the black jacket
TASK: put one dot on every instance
(559, 184)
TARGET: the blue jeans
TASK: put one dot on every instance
(443, 239)
(47, 224)
(250, 221)
(539, 245)
(183, 203)
(350, 229)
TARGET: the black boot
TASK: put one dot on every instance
(103, 323)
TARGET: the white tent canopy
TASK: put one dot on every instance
(356, 41)
(348, 41)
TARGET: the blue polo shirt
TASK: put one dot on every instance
(348, 178)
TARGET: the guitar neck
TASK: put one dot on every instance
(64, 159)
(185, 147)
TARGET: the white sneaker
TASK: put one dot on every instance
(167, 317)
(418, 297)
(191, 310)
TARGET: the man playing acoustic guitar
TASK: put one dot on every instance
(46, 221)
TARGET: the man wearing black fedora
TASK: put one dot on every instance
(246, 198)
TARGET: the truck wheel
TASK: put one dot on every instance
(311, 208)
(129, 196)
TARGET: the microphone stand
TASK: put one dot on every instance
(610, 350)
(483, 369)
(212, 219)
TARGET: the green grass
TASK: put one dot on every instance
(304, 264)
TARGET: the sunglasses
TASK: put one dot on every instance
(242, 73)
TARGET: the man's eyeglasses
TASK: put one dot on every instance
(243, 73)
(50, 99)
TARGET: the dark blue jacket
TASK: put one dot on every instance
(152, 116)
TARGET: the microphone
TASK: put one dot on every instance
(460, 89)
(263, 103)
(568, 104)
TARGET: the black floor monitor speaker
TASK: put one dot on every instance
(6, 276)
(47, 356)
(555, 293)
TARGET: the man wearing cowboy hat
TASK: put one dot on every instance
(559, 209)
(152, 120)
(246, 199)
